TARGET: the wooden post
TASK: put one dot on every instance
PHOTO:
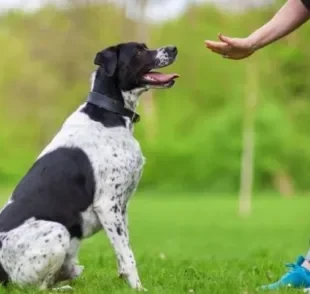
(247, 161)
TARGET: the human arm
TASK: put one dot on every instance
(291, 16)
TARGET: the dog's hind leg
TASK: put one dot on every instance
(71, 268)
(33, 253)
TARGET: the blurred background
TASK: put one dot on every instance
(225, 128)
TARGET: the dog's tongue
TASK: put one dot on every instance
(161, 77)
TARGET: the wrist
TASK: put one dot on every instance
(253, 43)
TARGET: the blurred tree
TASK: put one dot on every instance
(47, 58)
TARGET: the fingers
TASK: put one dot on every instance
(225, 39)
(222, 47)
(215, 44)
(219, 47)
(217, 51)
(224, 42)
(227, 55)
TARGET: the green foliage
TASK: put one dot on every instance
(46, 61)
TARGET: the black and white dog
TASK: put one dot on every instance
(82, 180)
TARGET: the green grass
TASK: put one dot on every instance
(198, 243)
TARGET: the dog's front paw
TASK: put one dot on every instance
(77, 270)
(139, 287)
(131, 276)
(63, 289)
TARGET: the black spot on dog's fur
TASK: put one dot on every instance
(119, 231)
(115, 208)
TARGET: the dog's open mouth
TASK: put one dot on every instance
(159, 80)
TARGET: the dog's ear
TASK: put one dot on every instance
(108, 60)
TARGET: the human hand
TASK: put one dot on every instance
(231, 48)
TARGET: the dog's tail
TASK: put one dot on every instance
(4, 277)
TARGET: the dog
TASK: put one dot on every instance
(83, 179)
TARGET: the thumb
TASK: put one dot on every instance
(225, 39)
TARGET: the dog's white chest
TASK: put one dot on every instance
(118, 167)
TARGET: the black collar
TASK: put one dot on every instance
(112, 105)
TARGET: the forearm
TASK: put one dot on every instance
(291, 16)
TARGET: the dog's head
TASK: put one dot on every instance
(131, 66)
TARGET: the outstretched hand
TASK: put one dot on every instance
(231, 48)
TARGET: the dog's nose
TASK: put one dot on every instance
(173, 49)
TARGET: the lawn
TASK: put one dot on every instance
(197, 244)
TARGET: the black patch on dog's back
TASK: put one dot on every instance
(106, 117)
(58, 187)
